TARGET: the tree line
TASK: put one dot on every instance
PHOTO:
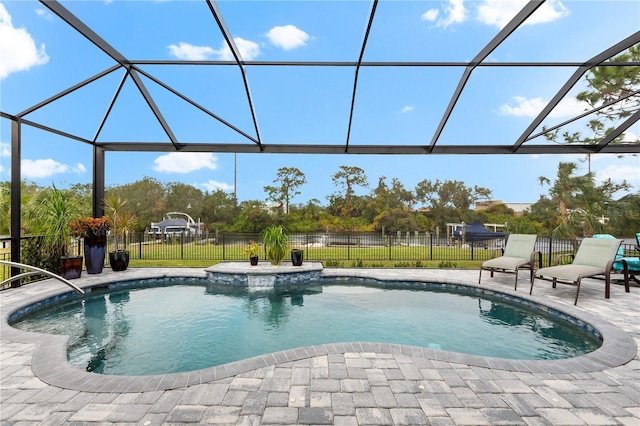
(575, 205)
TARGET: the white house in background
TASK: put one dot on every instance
(177, 223)
(518, 208)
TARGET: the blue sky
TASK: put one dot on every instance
(41, 56)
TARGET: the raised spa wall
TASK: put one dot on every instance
(242, 274)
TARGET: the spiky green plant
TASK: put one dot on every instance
(50, 214)
(276, 243)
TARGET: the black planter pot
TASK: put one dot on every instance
(253, 260)
(296, 257)
(71, 267)
(94, 253)
(119, 260)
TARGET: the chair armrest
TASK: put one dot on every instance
(556, 261)
(532, 259)
(625, 267)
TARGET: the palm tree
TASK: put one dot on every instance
(567, 186)
(582, 203)
(123, 221)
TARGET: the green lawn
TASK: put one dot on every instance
(202, 255)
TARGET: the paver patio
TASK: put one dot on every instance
(342, 384)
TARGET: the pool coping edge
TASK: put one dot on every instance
(49, 361)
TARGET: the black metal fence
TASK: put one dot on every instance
(408, 249)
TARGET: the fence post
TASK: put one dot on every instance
(431, 246)
(140, 246)
(348, 246)
(306, 245)
(550, 250)
(224, 246)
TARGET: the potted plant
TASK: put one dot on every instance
(123, 223)
(51, 213)
(276, 243)
(252, 251)
(94, 231)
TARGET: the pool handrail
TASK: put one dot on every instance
(35, 271)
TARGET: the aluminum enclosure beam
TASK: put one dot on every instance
(370, 149)
(16, 193)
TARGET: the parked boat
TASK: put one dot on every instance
(177, 223)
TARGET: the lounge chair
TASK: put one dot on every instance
(630, 265)
(517, 254)
(595, 257)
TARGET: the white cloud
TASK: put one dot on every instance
(630, 136)
(287, 37)
(43, 13)
(430, 15)
(213, 185)
(407, 108)
(190, 52)
(36, 169)
(548, 12)
(618, 173)
(519, 106)
(494, 12)
(18, 51)
(5, 152)
(569, 107)
(454, 13)
(185, 162)
(499, 12)
(248, 50)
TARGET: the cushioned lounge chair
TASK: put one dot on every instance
(595, 257)
(630, 265)
(517, 254)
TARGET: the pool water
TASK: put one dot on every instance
(186, 327)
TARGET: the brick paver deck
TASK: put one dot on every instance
(340, 384)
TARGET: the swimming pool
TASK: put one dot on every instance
(218, 325)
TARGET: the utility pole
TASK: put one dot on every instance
(235, 186)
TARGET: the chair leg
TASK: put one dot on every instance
(531, 288)
(480, 277)
(607, 278)
(531, 272)
(516, 286)
(575, 302)
(626, 277)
